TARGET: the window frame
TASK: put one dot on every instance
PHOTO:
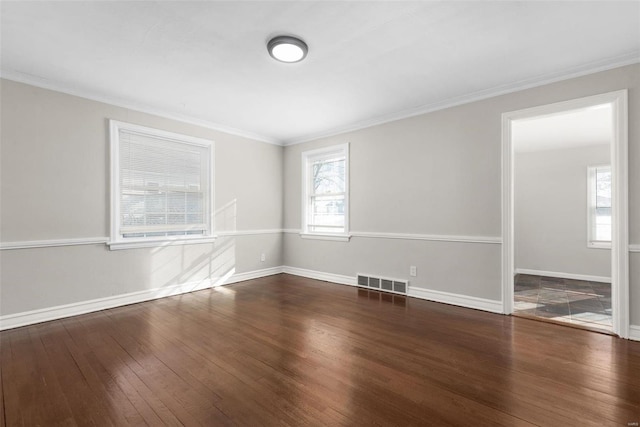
(592, 206)
(117, 241)
(307, 159)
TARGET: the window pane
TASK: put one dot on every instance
(197, 218)
(132, 220)
(328, 176)
(600, 204)
(603, 188)
(132, 203)
(328, 212)
(156, 219)
(194, 203)
(155, 202)
(326, 190)
(176, 202)
(176, 219)
(603, 224)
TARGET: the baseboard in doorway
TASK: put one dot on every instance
(457, 299)
(560, 275)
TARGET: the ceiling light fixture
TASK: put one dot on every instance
(287, 49)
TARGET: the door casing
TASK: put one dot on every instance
(620, 200)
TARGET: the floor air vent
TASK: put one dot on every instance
(383, 284)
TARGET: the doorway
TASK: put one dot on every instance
(546, 266)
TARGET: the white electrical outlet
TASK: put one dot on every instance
(263, 258)
(413, 271)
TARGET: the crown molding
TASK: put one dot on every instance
(590, 68)
(44, 83)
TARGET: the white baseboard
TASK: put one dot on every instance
(634, 332)
(437, 296)
(560, 275)
(255, 274)
(457, 299)
(43, 315)
(58, 312)
(319, 275)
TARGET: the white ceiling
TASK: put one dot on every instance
(571, 129)
(368, 62)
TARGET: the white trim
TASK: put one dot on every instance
(634, 332)
(29, 244)
(117, 241)
(361, 234)
(322, 154)
(599, 245)
(326, 236)
(620, 203)
(456, 299)
(560, 275)
(52, 313)
(410, 236)
(592, 68)
(319, 275)
(159, 242)
(235, 233)
(634, 248)
(429, 237)
(19, 77)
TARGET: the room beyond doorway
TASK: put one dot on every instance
(580, 303)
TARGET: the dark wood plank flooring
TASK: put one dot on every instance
(285, 350)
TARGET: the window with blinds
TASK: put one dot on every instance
(326, 190)
(599, 199)
(161, 184)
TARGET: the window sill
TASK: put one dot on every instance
(116, 245)
(599, 245)
(326, 236)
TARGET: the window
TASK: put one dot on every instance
(161, 186)
(325, 209)
(599, 199)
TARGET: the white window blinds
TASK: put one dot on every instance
(163, 185)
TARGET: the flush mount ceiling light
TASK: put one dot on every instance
(287, 49)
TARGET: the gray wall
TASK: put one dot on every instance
(551, 211)
(434, 174)
(55, 185)
(440, 174)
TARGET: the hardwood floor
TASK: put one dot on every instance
(285, 350)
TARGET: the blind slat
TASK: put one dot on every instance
(163, 184)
